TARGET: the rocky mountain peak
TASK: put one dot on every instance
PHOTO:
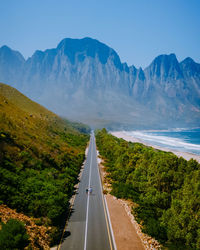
(165, 67)
(39, 55)
(141, 75)
(9, 54)
(88, 47)
(11, 65)
(190, 67)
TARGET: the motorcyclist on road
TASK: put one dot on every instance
(89, 190)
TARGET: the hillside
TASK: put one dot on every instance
(88, 78)
(40, 159)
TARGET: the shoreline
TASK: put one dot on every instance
(185, 155)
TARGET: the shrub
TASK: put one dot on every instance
(13, 235)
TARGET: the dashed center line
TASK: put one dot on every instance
(88, 200)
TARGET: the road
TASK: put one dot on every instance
(88, 226)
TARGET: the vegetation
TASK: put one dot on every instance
(13, 235)
(165, 187)
(40, 157)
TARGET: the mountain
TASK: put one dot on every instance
(12, 63)
(85, 80)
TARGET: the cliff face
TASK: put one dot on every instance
(85, 80)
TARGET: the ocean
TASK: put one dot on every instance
(177, 139)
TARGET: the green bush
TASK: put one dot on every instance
(13, 235)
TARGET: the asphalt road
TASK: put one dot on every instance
(88, 226)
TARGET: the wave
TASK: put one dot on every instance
(169, 130)
(165, 141)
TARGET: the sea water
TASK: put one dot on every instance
(183, 140)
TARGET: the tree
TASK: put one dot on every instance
(13, 235)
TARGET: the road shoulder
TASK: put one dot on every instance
(126, 237)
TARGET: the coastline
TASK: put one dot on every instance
(185, 155)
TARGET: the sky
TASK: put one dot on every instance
(138, 30)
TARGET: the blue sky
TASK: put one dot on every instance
(139, 30)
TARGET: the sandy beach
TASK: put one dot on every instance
(185, 155)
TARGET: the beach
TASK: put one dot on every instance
(185, 155)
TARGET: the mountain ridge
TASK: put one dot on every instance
(3, 47)
(89, 78)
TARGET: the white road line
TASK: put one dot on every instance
(72, 200)
(107, 211)
(88, 200)
(113, 237)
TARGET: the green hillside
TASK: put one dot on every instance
(40, 158)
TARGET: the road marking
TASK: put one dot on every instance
(72, 204)
(109, 228)
(105, 212)
(88, 200)
(65, 227)
(113, 237)
(110, 241)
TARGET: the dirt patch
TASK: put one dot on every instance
(126, 237)
(124, 221)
